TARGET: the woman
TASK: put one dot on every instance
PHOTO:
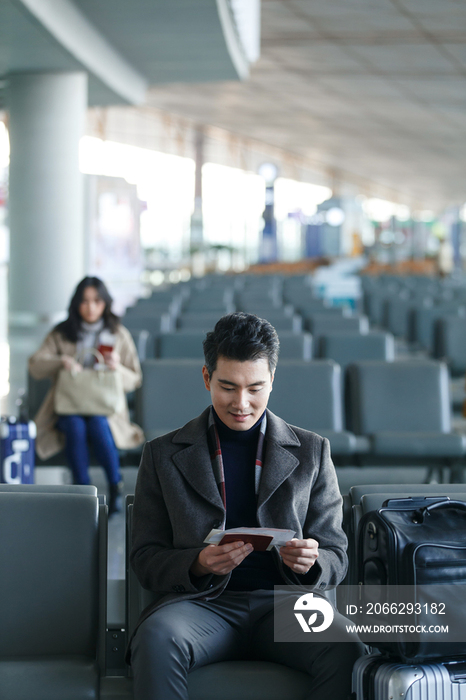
(90, 324)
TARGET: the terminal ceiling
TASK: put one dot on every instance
(371, 92)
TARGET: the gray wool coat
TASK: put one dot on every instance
(177, 503)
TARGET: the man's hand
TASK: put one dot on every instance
(220, 559)
(300, 555)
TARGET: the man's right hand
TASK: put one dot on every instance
(220, 559)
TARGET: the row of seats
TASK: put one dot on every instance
(396, 412)
(372, 411)
(428, 313)
(343, 346)
(289, 304)
(53, 599)
(53, 551)
(317, 321)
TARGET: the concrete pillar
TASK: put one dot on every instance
(46, 120)
(197, 233)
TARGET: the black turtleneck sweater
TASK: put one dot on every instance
(239, 448)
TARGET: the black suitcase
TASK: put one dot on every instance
(417, 547)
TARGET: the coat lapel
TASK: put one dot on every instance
(194, 461)
(279, 463)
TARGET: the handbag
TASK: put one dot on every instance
(89, 392)
(417, 544)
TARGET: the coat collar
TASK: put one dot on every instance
(279, 462)
(194, 461)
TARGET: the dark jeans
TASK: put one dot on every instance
(189, 634)
(79, 430)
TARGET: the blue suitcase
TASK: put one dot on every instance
(17, 441)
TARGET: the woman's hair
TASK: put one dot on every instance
(240, 336)
(72, 325)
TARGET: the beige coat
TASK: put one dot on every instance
(46, 362)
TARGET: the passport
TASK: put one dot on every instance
(259, 542)
(261, 538)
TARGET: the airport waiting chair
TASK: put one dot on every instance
(172, 393)
(37, 390)
(206, 321)
(304, 300)
(374, 306)
(284, 322)
(229, 680)
(375, 296)
(282, 318)
(398, 315)
(308, 309)
(164, 298)
(352, 346)
(147, 307)
(198, 321)
(451, 343)
(53, 551)
(264, 309)
(346, 347)
(425, 317)
(321, 324)
(295, 346)
(144, 342)
(308, 395)
(404, 408)
(85, 489)
(152, 322)
(195, 305)
(181, 345)
(188, 345)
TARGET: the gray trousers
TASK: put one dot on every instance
(183, 636)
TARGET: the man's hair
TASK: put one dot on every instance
(240, 336)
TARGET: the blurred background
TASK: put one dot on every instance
(153, 144)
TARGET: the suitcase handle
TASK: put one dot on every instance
(419, 517)
(460, 505)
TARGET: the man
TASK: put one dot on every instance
(237, 464)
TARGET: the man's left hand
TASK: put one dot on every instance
(300, 555)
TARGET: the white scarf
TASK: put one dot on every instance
(88, 337)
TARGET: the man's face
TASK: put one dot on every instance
(239, 391)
